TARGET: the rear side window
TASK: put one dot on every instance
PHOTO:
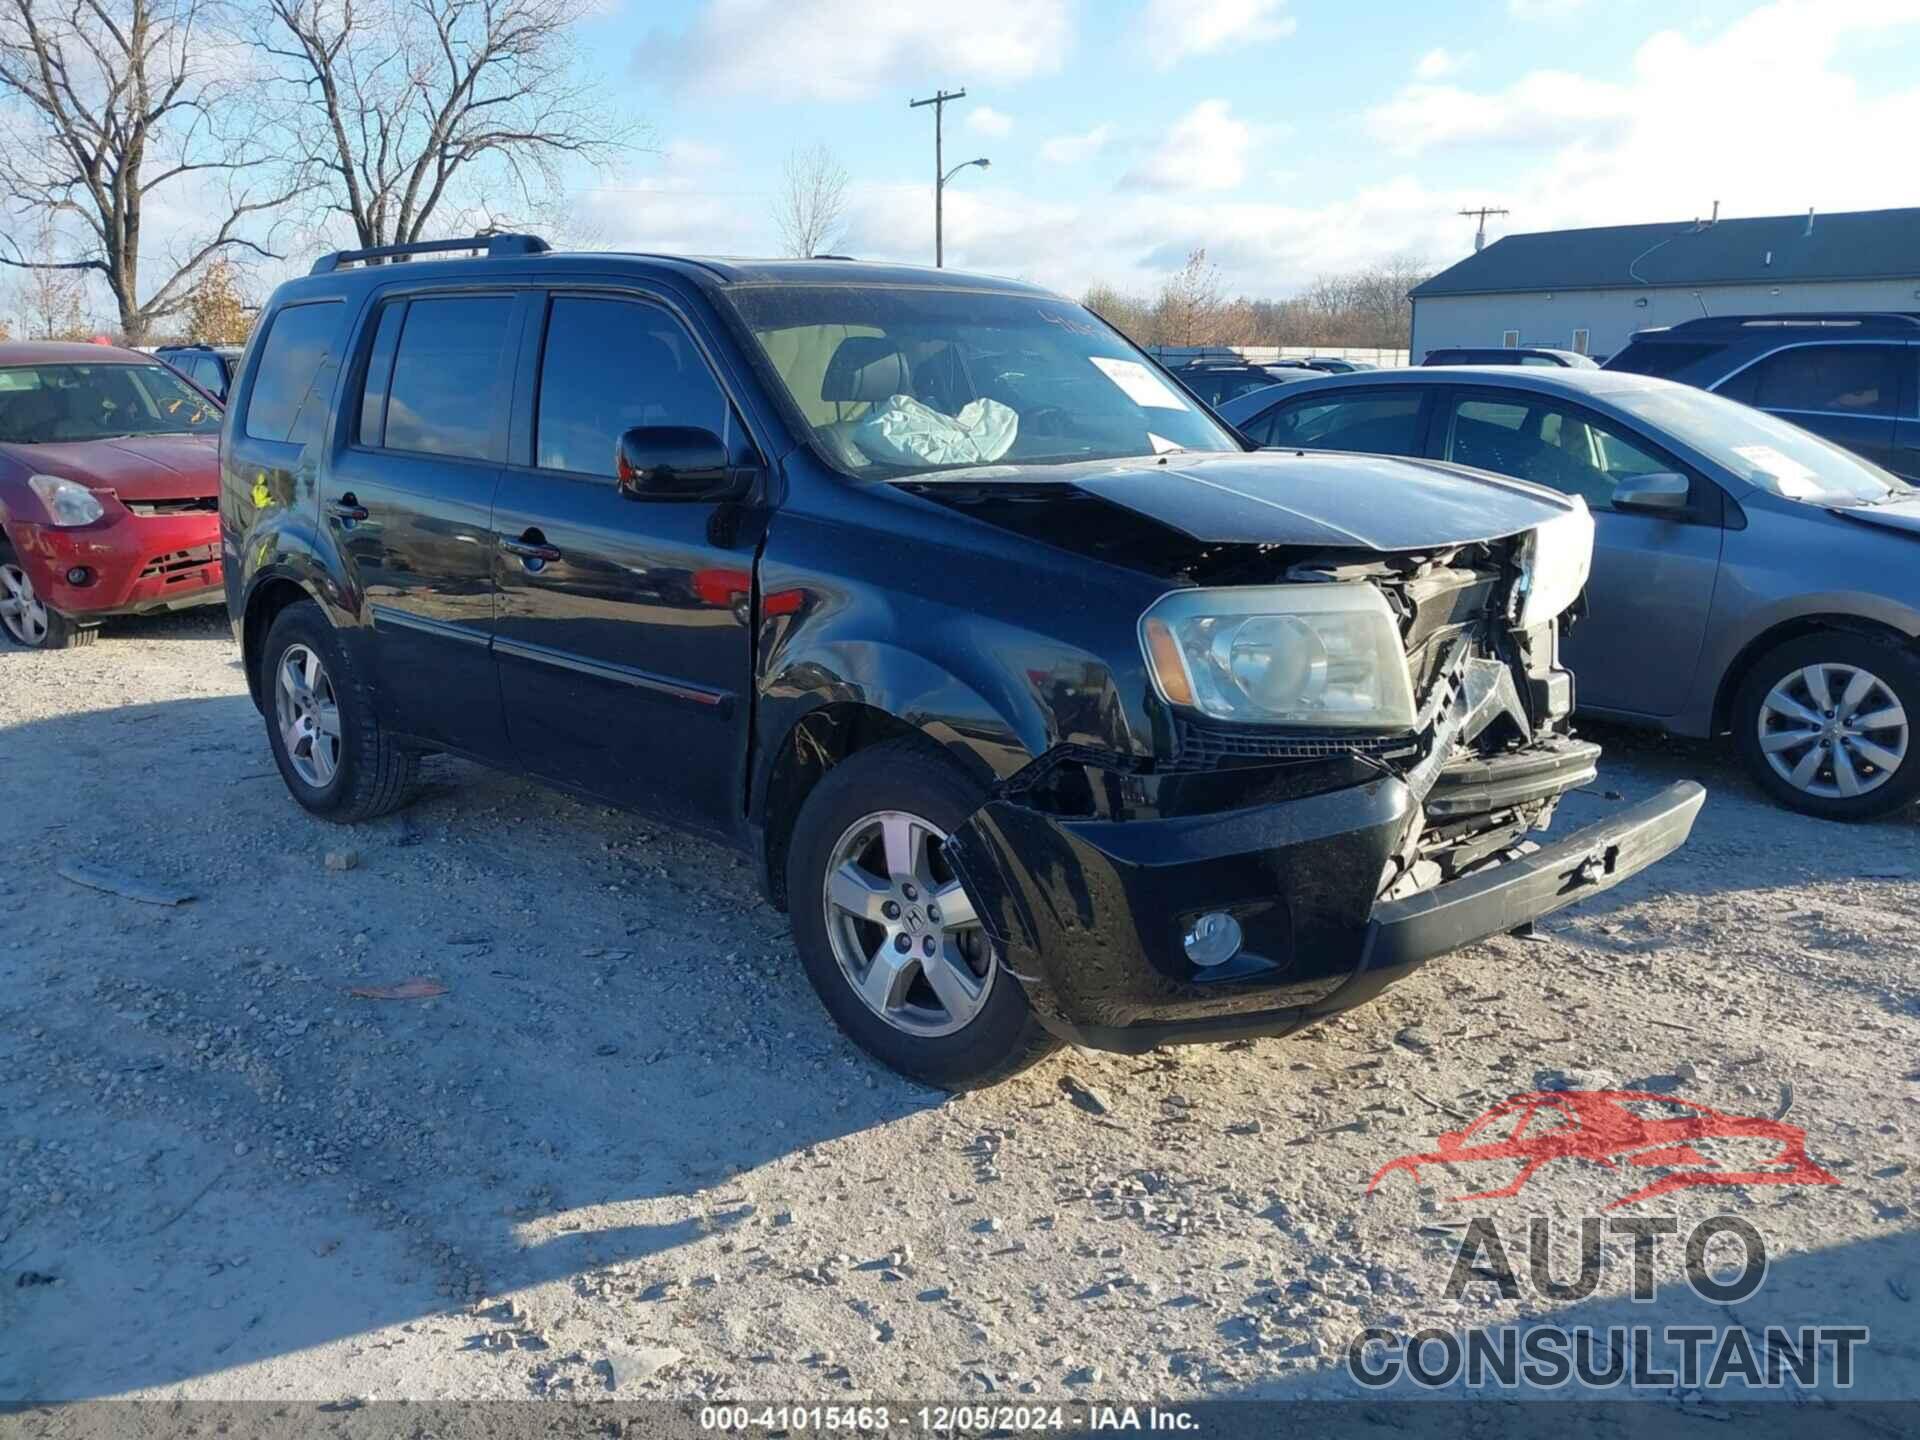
(1838, 379)
(302, 343)
(1379, 424)
(611, 365)
(450, 377)
(1659, 359)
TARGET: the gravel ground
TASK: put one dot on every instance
(626, 1154)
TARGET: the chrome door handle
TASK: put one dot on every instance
(531, 547)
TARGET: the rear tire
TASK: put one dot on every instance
(945, 1010)
(27, 620)
(1797, 720)
(323, 725)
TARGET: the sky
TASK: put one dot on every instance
(1291, 138)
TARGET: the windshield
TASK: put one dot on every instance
(899, 381)
(49, 404)
(1761, 449)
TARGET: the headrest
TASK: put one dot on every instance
(865, 367)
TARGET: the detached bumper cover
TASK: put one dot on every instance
(136, 563)
(1089, 914)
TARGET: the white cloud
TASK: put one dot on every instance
(1169, 31)
(1696, 118)
(1544, 106)
(1439, 64)
(1205, 150)
(1076, 149)
(678, 203)
(985, 120)
(853, 49)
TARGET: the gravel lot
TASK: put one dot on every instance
(626, 1154)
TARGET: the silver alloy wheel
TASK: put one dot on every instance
(308, 715)
(21, 611)
(902, 928)
(1833, 730)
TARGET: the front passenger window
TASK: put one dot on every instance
(1562, 449)
(610, 365)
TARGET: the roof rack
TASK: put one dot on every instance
(830, 257)
(1808, 319)
(494, 245)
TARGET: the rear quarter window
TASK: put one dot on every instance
(303, 342)
(1658, 359)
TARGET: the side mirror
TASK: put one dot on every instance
(676, 462)
(1661, 493)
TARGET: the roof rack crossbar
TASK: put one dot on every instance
(494, 245)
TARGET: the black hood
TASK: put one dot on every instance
(1318, 499)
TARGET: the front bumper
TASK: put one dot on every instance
(1089, 912)
(135, 563)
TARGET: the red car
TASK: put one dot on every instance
(109, 491)
(1694, 1144)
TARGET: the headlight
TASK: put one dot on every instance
(68, 502)
(1554, 563)
(1321, 655)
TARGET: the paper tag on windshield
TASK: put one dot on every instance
(1791, 479)
(1140, 384)
(1161, 445)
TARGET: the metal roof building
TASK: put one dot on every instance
(1589, 290)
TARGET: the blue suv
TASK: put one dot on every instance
(1850, 377)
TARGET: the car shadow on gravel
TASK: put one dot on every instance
(233, 1159)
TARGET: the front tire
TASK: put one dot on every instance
(1825, 724)
(326, 735)
(27, 619)
(890, 938)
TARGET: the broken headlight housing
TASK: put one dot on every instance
(1555, 560)
(1323, 655)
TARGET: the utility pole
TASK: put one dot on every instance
(939, 101)
(1480, 235)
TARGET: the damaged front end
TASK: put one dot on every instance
(1389, 819)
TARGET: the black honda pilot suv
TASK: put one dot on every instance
(1048, 710)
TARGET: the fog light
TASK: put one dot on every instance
(79, 575)
(1213, 939)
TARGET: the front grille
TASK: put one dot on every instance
(204, 505)
(1206, 747)
(176, 566)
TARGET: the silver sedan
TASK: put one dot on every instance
(1748, 577)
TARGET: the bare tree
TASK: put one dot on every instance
(104, 104)
(813, 201)
(423, 115)
(1131, 315)
(49, 299)
(1190, 303)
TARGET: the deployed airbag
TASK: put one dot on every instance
(905, 432)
